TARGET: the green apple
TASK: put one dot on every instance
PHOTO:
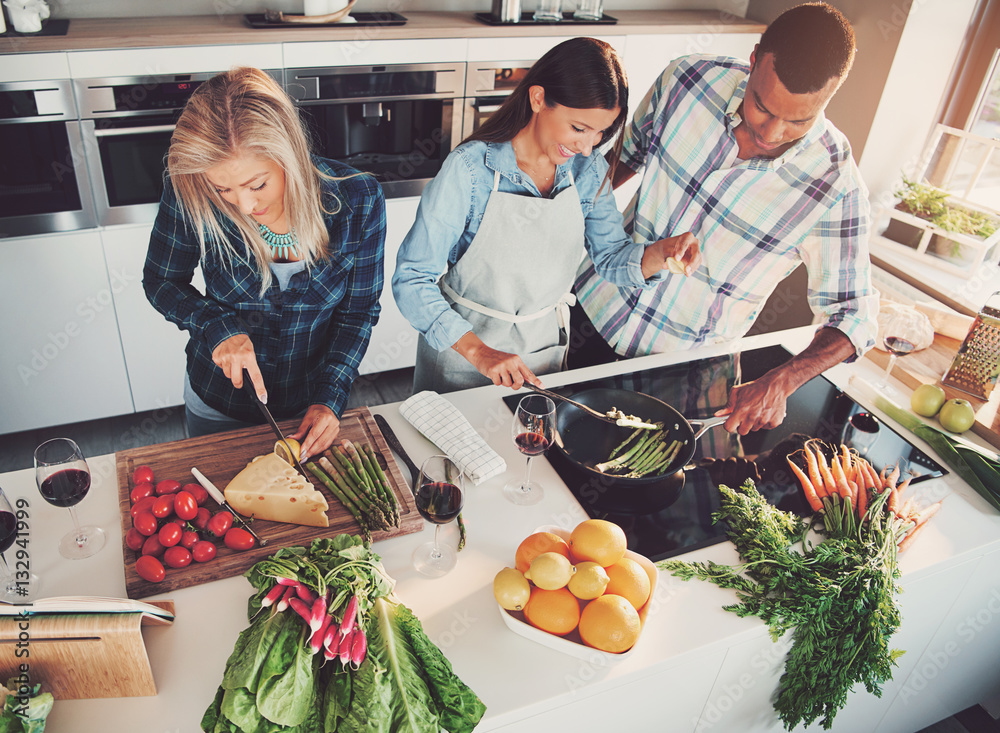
(957, 416)
(927, 399)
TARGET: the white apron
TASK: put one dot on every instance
(513, 285)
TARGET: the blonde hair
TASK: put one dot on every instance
(244, 112)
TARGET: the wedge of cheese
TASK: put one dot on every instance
(269, 488)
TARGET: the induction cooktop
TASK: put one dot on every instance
(697, 390)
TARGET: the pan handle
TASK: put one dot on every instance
(701, 427)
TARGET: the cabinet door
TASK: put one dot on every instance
(61, 356)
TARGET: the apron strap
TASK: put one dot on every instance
(496, 180)
(561, 307)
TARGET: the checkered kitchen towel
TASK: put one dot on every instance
(440, 422)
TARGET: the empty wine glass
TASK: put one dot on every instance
(20, 586)
(896, 333)
(439, 497)
(63, 478)
(533, 430)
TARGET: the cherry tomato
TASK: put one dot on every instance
(141, 491)
(188, 538)
(153, 546)
(163, 506)
(149, 568)
(238, 539)
(220, 523)
(145, 523)
(134, 540)
(170, 534)
(203, 551)
(201, 519)
(177, 557)
(198, 492)
(143, 505)
(142, 475)
(185, 506)
(168, 486)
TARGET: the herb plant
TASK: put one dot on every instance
(930, 203)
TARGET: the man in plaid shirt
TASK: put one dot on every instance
(743, 157)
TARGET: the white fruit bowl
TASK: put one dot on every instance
(572, 644)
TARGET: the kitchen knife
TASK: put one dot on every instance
(397, 448)
(248, 386)
(220, 499)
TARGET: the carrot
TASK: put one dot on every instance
(909, 537)
(862, 493)
(926, 513)
(810, 491)
(876, 479)
(840, 480)
(814, 477)
(906, 508)
(824, 471)
(893, 503)
(850, 469)
(893, 476)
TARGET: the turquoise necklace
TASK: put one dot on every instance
(283, 246)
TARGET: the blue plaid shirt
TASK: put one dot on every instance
(308, 338)
(756, 220)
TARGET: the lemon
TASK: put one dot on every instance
(511, 589)
(550, 571)
(282, 452)
(589, 581)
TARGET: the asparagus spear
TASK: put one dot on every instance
(335, 490)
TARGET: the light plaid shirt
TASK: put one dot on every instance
(756, 220)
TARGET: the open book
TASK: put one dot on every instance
(87, 604)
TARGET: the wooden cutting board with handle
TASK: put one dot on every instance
(223, 455)
(928, 366)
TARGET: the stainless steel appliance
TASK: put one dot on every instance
(43, 186)
(487, 85)
(126, 127)
(398, 122)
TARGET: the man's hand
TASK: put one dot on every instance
(234, 355)
(684, 249)
(499, 366)
(317, 431)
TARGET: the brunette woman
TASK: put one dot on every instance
(291, 250)
(507, 220)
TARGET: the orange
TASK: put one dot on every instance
(534, 545)
(628, 580)
(555, 611)
(610, 623)
(597, 540)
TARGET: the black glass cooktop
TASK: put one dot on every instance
(697, 390)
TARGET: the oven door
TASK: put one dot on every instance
(477, 111)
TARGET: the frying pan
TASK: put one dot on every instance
(585, 441)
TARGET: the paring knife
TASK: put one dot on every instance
(248, 386)
(394, 444)
(220, 499)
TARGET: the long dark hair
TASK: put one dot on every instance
(581, 73)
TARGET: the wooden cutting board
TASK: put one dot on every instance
(928, 366)
(220, 457)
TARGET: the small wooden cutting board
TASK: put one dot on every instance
(223, 455)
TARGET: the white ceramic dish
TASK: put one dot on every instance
(572, 644)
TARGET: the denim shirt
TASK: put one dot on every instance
(451, 210)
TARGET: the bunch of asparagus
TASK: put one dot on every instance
(359, 483)
(643, 453)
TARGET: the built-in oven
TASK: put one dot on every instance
(126, 127)
(398, 122)
(487, 85)
(43, 183)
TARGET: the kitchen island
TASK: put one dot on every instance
(696, 666)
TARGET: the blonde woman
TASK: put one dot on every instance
(291, 249)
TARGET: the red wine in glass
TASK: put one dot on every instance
(8, 530)
(439, 499)
(22, 586)
(63, 479)
(533, 430)
(532, 444)
(439, 502)
(65, 488)
(899, 346)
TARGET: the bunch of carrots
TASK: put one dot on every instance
(844, 486)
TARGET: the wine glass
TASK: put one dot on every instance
(897, 340)
(861, 431)
(533, 430)
(439, 497)
(63, 479)
(19, 587)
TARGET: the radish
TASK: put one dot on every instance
(344, 649)
(359, 647)
(273, 595)
(288, 595)
(303, 591)
(319, 614)
(300, 607)
(316, 642)
(350, 614)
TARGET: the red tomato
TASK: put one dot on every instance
(220, 523)
(143, 505)
(198, 492)
(239, 539)
(149, 568)
(201, 520)
(177, 557)
(163, 506)
(169, 486)
(185, 506)
(188, 539)
(145, 523)
(203, 551)
(141, 491)
(142, 475)
(153, 546)
(134, 540)
(170, 534)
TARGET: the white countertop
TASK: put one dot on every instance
(515, 677)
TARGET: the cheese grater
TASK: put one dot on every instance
(975, 367)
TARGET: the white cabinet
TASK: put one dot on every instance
(62, 356)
